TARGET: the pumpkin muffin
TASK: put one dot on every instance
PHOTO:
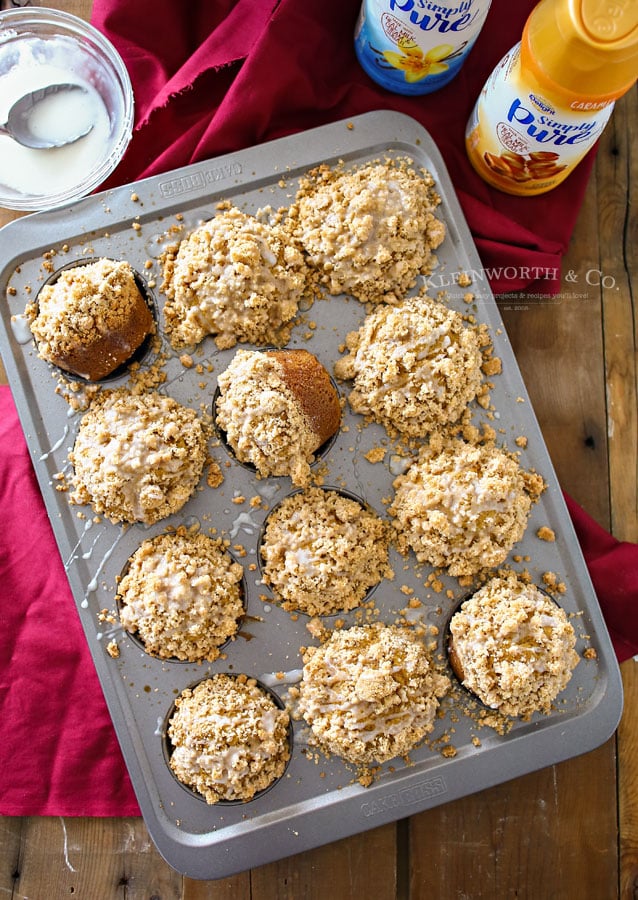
(462, 506)
(322, 552)
(234, 277)
(137, 457)
(369, 693)
(512, 646)
(229, 738)
(181, 595)
(276, 409)
(368, 231)
(91, 319)
(415, 367)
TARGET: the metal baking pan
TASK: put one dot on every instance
(316, 801)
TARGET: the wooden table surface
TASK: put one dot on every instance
(568, 831)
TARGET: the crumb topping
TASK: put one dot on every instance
(514, 646)
(137, 457)
(234, 277)
(462, 506)
(181, 595)
(230, 739)
(91, 319)
(264, 420)
(323, 551)
(368, 231)
(415, 366)
(370, 693)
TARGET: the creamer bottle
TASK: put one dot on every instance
(416, 46)
(548, 100)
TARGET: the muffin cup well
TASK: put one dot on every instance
(136, 639)
(168, 747)
(138, 355)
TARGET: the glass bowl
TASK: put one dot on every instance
(39, 47)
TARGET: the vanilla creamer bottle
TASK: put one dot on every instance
(548, 100)
(416, 46)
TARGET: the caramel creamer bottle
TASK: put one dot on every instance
(549, 99)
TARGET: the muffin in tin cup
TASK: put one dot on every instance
(182, 596)
(93, 318)
(512, 646)
(323, 551)
(228, 738)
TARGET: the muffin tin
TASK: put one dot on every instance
(318, 799)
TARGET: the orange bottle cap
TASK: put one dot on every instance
(610, 24)
(583, 48)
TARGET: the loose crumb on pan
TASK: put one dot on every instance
(376, 454)
(214, 475)
(462, 506)
(323, 551)
(229, 738)
(181, 596)
(369, 231)
(137, 457)
(513, 646)
(369, 693)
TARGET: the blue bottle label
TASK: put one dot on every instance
(416, 46)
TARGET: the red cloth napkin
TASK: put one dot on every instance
(613, 568)
(59, 754)
(210, 77)
(236, 74)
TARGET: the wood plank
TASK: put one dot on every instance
(617, 176)
(618, 179)
(237, 887)
(555, 342)
(530, 838)
(535, 837)
(101, 859)
(81, 8)
(10, 853)
(362, 866)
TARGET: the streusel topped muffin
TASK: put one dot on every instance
(277, 408)
(181, 595)
(463, 506)
(323, 551)
(137, 457)
(370, 693)
(229, 738)
(234, 277)
(415, 366)
(512, 646)
(369, 231)
(91, 319)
